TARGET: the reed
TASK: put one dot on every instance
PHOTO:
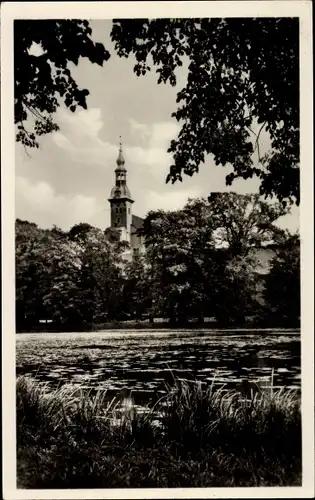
(195, 435)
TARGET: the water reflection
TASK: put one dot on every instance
(144, 361)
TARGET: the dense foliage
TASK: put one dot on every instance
(42, 79)
(202, 258)
(73, 277)
(199, 262)
(282, 285)
(243, 77)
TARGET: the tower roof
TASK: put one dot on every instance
(120, 160)
(120, 192)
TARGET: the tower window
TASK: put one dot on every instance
(116, 210)
(128, 210)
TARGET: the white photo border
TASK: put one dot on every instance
(110, 10)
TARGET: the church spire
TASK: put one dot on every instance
(120, 190)
(120, 160)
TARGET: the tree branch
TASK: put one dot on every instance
(257, 140)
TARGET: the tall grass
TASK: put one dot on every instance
(195, 436)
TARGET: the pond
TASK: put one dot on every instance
(143, 361)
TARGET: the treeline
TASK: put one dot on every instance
(199, 262)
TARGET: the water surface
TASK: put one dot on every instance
(144, 360)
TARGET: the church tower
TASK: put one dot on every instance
(121, 201)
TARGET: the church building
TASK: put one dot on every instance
(121, 216)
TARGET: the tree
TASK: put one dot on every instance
(112, 234)
(61, 261)
(202, 258)
(177, 245)
(28, 295)
(243, 74)
(282, 285)
(80, 232)
(47, 275)
(244, 222)
(233, 287)
(70, 278)
(101, 278)
(136, 290)
(100, 282)
(40, 80)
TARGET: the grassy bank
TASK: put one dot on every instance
(67, 439)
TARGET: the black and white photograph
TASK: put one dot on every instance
(156, 236)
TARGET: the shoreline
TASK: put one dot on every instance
(159, 327)
(122, 331)
(129, 331)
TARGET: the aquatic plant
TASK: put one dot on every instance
(195, 435)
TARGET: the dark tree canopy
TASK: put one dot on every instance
(203, 259)
(243, 78)
(243, 222)
(242, 73)
(40, 81)
(79, 232)
(282, 289)
(80, 277)
(69, 277)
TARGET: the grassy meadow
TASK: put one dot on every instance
(194, 436)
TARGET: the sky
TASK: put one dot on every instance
(68, 180)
